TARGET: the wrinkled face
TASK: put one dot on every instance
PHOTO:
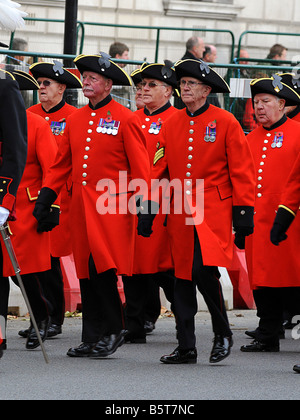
(139, 96)
(50, 91)
(268, 109)
(193, 92)
(95, 87)
(155, 92)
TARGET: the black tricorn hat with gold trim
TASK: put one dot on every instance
(25, 80)
(101, 64)
(162, 72)
(275, 86)
(201, 71)
(136, 74)
(55, 71)
(291, 80)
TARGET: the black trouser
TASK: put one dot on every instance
(143, 300)
(206, 279)
(33, 284)
(102, 310)
(270, 303)
(54, 291)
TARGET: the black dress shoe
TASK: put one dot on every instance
(296, 368)
(108, 344)
(53, 330)
(135, 338)
(221, 348)
(258, 346)
(149, 327)
(24, 333)
(32, 339)
(180, 356)
(83, 350)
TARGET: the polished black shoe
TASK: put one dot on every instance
(83, 350)
(135, 338)
(54, 330)
(24, 333)
(221, 348)
(108, 345)
(149, 327)
(296, 368)
(258, 346)
(32, 339)
(180, 356)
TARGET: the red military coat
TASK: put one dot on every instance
(153, 255)
(269, 265)
(60, 237)
(112, 152)
(32, 248)
(291, 194)
(209, 146)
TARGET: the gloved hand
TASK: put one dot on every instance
(146, 215)
(47, 216)
(282, 222)
(4, 213)
(240, 234)
(145, 223)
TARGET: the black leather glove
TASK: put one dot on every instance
(146, 215)
(145, 223)
(243, 224)
(282, 222)
(46, 215)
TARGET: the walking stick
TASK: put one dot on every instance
(13, 259)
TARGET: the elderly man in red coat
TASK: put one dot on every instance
(205, 155)
(103, 147)
(273, 271)
(153, 264)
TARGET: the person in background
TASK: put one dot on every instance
(53, 80)
(153, 265)
(120, 51)
(26, 236)
(210, 56)
(274, 273)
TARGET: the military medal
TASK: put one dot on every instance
(278, 140)
(211, 132)
(155, 127)
(108, 125)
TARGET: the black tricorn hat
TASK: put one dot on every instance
(201, 71)
(136, 74)
(2, 45)
(275, 86)
(55, 71)
(163, 72)
(291, 80)
(101, 64)
(25, 80)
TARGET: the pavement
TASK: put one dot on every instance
(134, 373)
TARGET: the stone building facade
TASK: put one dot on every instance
(194, 16)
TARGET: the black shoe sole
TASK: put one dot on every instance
(186, 362)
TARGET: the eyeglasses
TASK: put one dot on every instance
(151, 84)
(46, 83)
(189, 83)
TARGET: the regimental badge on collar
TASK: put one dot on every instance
(108, 125)
(278, 140)
(211, 132)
